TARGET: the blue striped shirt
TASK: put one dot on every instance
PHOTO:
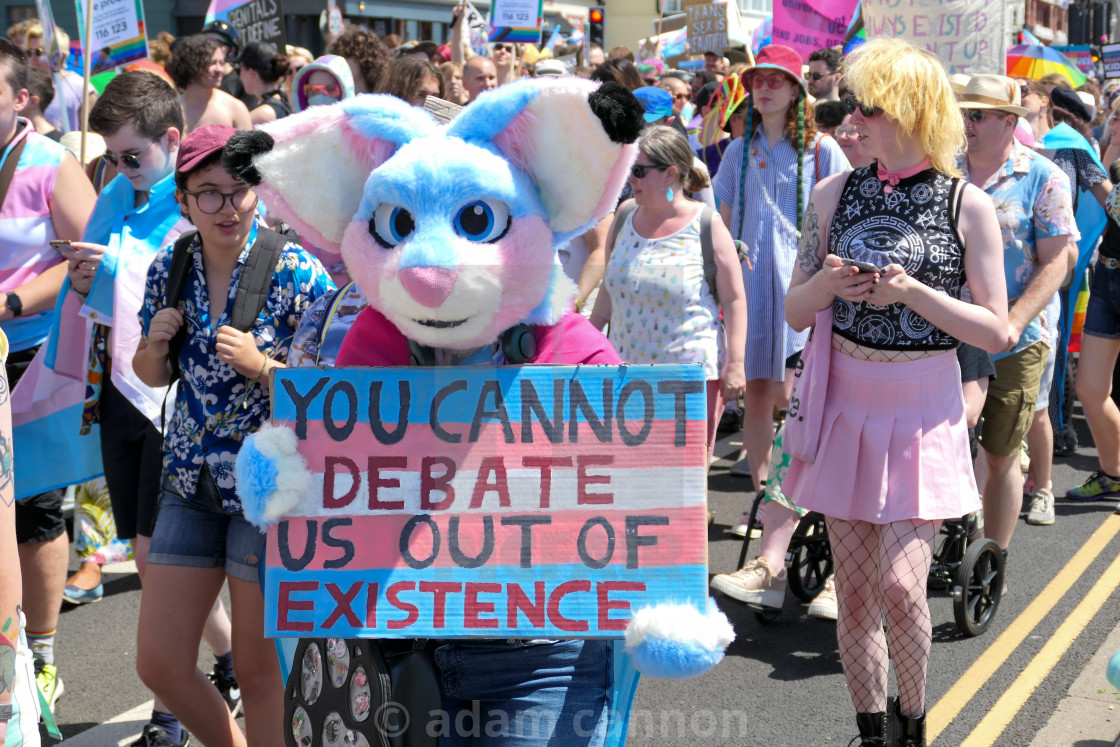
(769, 229)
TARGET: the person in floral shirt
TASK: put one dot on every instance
(201, 538)
(1034, 205)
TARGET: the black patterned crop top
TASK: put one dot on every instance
(910, 224)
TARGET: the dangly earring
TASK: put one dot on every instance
(669, 194)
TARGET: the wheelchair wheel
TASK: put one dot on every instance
(979, 587)
(810, 557)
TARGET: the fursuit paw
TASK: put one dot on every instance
(675, 641)
(272, 477)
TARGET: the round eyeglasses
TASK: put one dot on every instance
(211, 201)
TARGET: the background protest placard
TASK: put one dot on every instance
(257, 20)
(118, 34)
(809, 25)
(967, 35)
(516, 21)
(536, 501)
(707, 26)
(1110, 59)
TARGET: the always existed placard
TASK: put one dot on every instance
(514, 501)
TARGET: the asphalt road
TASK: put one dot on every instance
(781, 683)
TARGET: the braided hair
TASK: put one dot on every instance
(800, 145)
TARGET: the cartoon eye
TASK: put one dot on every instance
(391, 225)
(483, 221)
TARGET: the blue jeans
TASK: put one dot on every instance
(529, 693)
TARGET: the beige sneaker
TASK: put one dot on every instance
(824, 607)
(754, 583)
(1042, 508)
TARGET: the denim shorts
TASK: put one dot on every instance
(198, 534)
(1102, 318)
(523, 693)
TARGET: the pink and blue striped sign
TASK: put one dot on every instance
(532, 501)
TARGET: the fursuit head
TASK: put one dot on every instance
(451, 231)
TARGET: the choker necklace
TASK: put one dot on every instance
(893, 177)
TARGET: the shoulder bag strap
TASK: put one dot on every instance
(620, 217)
(8, 171)
(707, 250)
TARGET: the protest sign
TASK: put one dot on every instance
(535, 501)
(118, 35)
(516, 21)
(1081, 55)
(707, 26)
(257, 20)
(1110, 58)
(801, 25)
(967, 35)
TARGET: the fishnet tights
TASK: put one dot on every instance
(864, 353)
(883, 569)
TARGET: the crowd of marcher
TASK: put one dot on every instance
(837, 220)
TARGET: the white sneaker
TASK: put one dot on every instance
(825, 606)
(754, 583)
(1042, 508)
(1024, 457)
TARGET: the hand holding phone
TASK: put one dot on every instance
(862, 266)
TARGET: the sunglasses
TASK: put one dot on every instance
(773, 82)
(323, 89)
(1024, 92)
(131, 160)
(816, 76)
(851, 103)
(37, 52)
(976, 116)
(639, 169)
(503, 47)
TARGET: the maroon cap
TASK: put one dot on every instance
(777, 57)
(200, 144)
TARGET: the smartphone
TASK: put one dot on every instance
(62, 246)
(863, 266)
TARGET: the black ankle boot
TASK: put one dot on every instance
(872, 729)
(907, 732)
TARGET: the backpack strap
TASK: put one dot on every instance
(256, 279)
(707, 250)
(621, 214)
(176, 281)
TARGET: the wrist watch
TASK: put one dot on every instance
(14, 304)
(6, 712)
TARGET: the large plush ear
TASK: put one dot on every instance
(573, 137)
(311, 168)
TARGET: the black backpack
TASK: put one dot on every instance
(252, 288)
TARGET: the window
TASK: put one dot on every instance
(17, 13)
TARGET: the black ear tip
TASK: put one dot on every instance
(243, 146)
(622, 115)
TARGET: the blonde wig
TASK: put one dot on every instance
(912, 87)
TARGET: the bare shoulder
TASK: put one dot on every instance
(228, 103)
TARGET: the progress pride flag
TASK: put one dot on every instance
(532, 501)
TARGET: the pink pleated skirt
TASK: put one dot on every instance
(893, 445)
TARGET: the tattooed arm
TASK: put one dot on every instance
(11, 587)
(811, 290)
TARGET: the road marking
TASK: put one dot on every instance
(959, 695)
(119, 731)
(1009, 704)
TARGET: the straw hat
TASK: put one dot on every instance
(996, 92)
(95, 144)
